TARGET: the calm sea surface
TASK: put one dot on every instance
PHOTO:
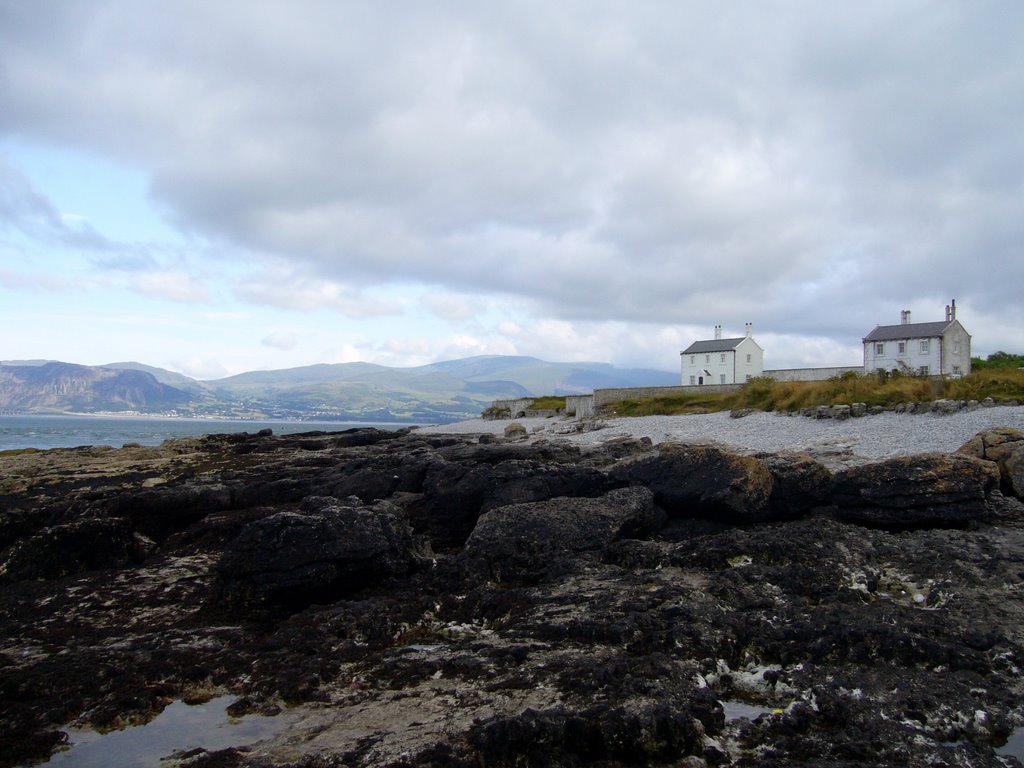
(71, 431)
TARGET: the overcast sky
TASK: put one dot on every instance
(220, 187)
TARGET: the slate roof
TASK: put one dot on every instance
(908, 331)
(712, 345)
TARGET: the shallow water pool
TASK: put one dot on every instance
(178, 728)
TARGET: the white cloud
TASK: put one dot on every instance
(283, 340)
(201, 368)
(172, 286)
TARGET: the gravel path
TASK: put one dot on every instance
(868, 438)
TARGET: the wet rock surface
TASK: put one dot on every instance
(430, 600)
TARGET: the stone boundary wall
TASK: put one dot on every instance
(811, 374)
(510, 409)
(580, 406)
(603, 397)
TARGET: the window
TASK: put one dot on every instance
(693, 359)
(748, 362)
(721, 378)
(902, 347)
(693, 380)
(956, 347)
(723, 358)
(924, 346)
(879, 349)
(923, 370)
(707, 359)
(957, 371)
(748, 375)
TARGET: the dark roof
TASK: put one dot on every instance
(909, 331)
(712, 345)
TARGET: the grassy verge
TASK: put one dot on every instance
(548, 403)
(769, 395)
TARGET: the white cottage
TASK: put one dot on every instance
(721, 361)
(929, 349)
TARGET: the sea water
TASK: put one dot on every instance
(24, 431)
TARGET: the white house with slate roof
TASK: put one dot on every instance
(929, 349)
(721, 361)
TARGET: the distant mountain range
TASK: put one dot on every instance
(439, 392)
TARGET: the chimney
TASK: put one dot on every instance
(905, 317)
(750, 328)
(718, 332)
(947, 313)
(952, 310)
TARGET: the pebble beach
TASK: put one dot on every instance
(868, 438)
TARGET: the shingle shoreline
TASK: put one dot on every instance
(867, 438)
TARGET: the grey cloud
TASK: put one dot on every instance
(657, 163)
(289, 291)
(24, 210)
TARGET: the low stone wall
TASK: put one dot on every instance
(603, 397)
(811, 374)
(580, 406)
(842, 411)
(508, 409)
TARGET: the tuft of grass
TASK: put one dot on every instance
(548, 403)
(997, 383)
(671, 405)
(888, 390)
(18, 451)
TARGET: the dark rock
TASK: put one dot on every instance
(81, 545)
(320, 552)
(740, 413)
(841, 412)
(518, 542)
(917, 491)
(800, 484)
(702, 481)
(571, 631)
(160, 511)
(947, 406)
(456, 493)
(560, 737)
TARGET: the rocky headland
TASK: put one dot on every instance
(426, 599)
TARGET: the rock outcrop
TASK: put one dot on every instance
(415, 600)
(1006, 448)
(701, 481)
(325, 550)
(916, 491)
(522, 542)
